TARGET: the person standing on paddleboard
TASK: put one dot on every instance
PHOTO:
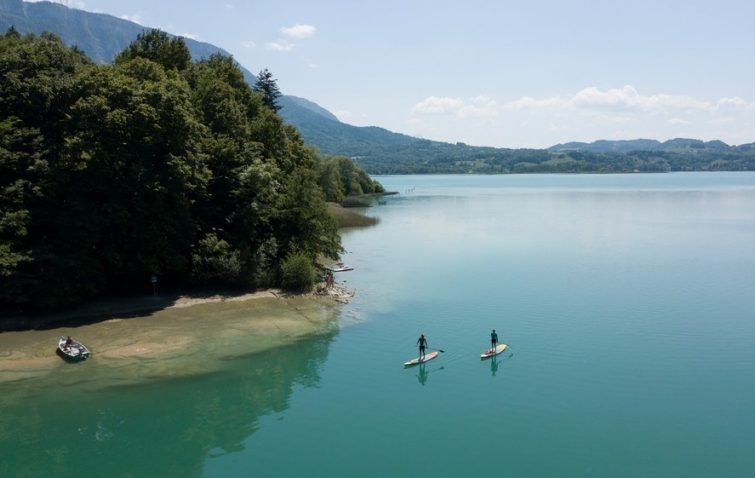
(422, 342)
(493, 341)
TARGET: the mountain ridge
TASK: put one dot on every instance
(632, 145)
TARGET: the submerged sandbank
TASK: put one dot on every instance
(189, 337)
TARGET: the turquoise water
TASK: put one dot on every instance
(628, 302)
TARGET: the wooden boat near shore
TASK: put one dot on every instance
(74, 351)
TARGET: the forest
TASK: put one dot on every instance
(152, 165)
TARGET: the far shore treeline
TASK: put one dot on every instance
(154, 165)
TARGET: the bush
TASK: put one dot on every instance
(298, 273)
(215, 260)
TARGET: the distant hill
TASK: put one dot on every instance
(290, 102)
(603, 146)
(378, 150)
(629, 146)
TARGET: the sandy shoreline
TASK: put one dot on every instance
(113, 308)
(174, 333)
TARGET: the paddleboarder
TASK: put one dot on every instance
(493, 341)
(422, 342)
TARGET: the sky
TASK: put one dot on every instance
(506, 73)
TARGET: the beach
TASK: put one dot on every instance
(181, 336)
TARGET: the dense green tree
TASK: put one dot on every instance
(20, 171)
(330, 181)
(36, 76)
(340, 177)
(131, 127)
(298, 273)
(268, 87)
(214, 260)
(153, 165)
(303, 219)
(158, 46)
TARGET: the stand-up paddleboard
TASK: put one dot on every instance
(490, 353)
(416, 361)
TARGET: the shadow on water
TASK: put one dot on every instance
(156, 428)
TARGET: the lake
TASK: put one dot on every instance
(627, 301)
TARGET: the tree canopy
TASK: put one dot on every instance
(267, 86)
(153, 165)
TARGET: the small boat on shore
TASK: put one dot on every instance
(72, 349)
(339, 267)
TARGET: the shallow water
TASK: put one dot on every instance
(627, 302)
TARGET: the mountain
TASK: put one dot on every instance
(604, 146)
(291, 102)
(378, 150)
(629, 146)
(99, 35)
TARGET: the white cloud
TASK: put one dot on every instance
(587, 114)
(481, 107)
(280, 45)
(529, 103)
(623, 99)
(192, 36)
(435, 105)
(733, 105)
(299, 31)
(67, 3)
(136, 18)
(350, 117)
(477, 107)
(248, 44)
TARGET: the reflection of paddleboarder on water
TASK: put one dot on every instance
(493, 341)
(423, 374)
(422, 342)
(494, 365)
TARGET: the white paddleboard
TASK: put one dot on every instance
(416, 361)
(490, 353)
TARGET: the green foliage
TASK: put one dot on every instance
(302, 213)
(268, 88)
(339, 177)
(298, 273)
(157, 46)
(330, 181)
(214, 260)
(109, 174)
(18, 160)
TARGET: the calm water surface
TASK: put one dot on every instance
(628, 302)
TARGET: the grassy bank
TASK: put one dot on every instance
(348, 217)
